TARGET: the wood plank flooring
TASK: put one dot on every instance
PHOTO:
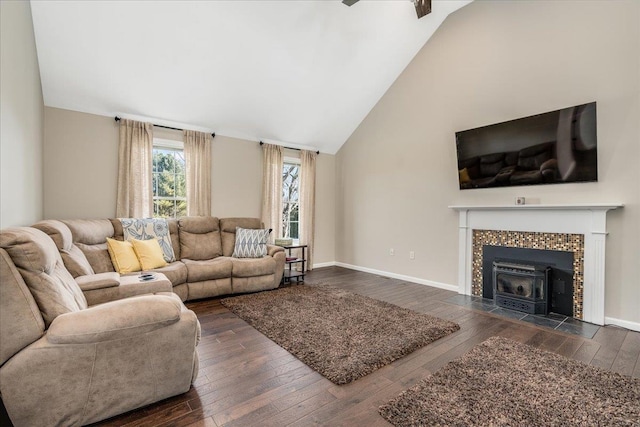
(247, 380)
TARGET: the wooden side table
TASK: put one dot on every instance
(291, 274)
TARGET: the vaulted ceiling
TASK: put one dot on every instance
(298, 73)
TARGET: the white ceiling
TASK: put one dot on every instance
(298, 73)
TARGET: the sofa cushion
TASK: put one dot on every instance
(149, 253)
(90, 231)
(37, 259)
(20, 319)
(491, 164)
(116, 320)
(511, 158)
(251, 267)
(123, 256)
(251, 243)
(176, 272)
(217, 268)
(228, 229)
(98, 281)
(90, 236)
(199, 238)
(532, 158)
(73, 258)
(130, 286)
(98, 257)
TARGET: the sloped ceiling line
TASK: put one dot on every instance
(303, 73)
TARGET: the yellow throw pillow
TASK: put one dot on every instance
(149, 253)
(123, 256)
(464, 176)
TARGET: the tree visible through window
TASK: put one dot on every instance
(290, 202)
(169, 183)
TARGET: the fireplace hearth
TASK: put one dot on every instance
(521, 287)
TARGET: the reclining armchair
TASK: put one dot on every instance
(65, 363)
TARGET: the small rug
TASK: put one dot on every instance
(341, 335)
(505, 383)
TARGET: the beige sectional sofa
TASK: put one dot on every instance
(64, 362)
(203, 247)
(80, 343)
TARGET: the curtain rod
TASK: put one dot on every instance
(291, 148)
(117, 119)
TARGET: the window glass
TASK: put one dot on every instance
(290, 199)
(169, 182)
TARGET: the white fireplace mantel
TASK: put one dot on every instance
(587, 219)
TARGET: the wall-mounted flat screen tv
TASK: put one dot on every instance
(549, 148)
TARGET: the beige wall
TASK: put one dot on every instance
(490, 62)
(21, 118)
(81, 164)
(325, 233)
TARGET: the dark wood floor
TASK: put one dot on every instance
(247, 380)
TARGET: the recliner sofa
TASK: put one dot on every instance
(80, 343)
(203, 247)
(530, 165)
(66, 363)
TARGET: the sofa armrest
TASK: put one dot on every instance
(549, 170)
(549, 164)
(91, 282)
(273, 249)
(115, 320)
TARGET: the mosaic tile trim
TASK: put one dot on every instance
(532, 240)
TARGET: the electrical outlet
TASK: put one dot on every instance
(412, 255)
(392, 252)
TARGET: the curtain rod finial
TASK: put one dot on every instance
(117, 119)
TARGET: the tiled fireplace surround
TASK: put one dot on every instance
(521, 239)
(580, 229)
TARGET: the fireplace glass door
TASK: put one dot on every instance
(521, 287)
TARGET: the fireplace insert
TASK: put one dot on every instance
(521, 287)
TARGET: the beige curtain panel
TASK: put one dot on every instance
(307, 202)
(197, 154)
(272, 189)
(135, 156)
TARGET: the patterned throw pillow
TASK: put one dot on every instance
(251, 243)
(149, 228)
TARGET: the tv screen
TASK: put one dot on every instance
(549, 148)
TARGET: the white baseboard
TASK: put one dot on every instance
(411, 279)
(324, 264)
(623, 323)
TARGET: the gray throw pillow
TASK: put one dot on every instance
(251, 243)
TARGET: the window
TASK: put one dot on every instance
(169, 179)
(290, 202)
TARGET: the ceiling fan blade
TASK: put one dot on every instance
(349, 2)
(423, 7)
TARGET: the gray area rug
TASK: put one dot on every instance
(505, 383)
(341, 335)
